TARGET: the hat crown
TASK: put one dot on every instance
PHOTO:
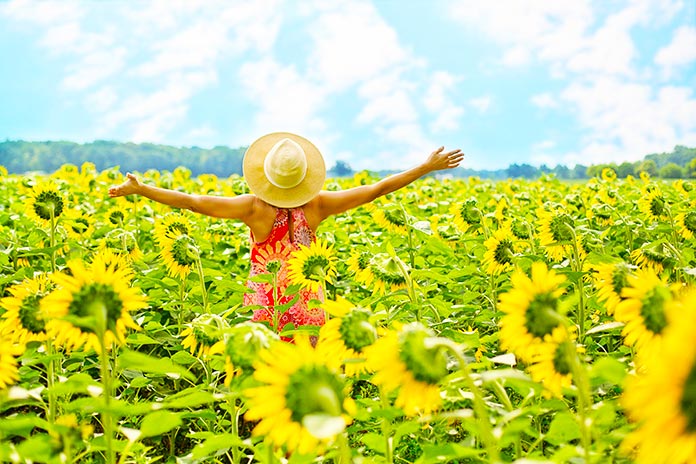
(285, 165)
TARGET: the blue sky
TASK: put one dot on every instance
(378, 84)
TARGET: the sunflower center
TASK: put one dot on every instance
(560, 359)
(690, 221)
(116, 217)
(177, 228)
(387, 271)
(313, 389)
(519, 228)
(203, 338)
(395, 216)
(356, 332)
(47, 205)
(503, 252)
(470, 213)
(653, 309)
(619, 278)
(89, 296)
(541, 317)
(182, 250)
(657, 206)
(273, 266)
(314, 267)
(79, 225)
(427, 365)
(29, 314)
(363, 260)
(561, 228)
(688, 400)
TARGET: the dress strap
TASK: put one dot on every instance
(290, 226)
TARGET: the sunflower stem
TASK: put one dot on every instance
(345, 455)
(584, 401)
(107, 424)
(480, 409)
(234, 418)
(276, 318)
(204, 292)
(386, 428)
(50, 381)
(52, 240)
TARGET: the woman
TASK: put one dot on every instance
(285, 173)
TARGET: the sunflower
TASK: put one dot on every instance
(531, 310)
(610, 280)
(8, 363)
(388, 273)
(500, 251)
(171, 226)
(93, 299)
(359, 266)
(302, 402)
(23, 321)
(686, 223)
(644, 310)
(179, 255)
(655, 256)
(467, 216)
(311, 266)
(403, 360)
(78, 224)
(45, 203)
(653, 204)
(661, 398)
(608, 174)
(391, 217)
(350, 331)
(122, 243)
(601, 213)
(117, 215)
(683, 187)
(203, 335)
(243, 343)
(556, 233)
(551, 363)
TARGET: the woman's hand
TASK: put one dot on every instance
(130, 186)
(440, 159)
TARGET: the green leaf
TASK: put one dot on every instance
(609, 369)
(214, 444)
(145, 363)
(446, 453)
(375, 442)
(564, 428)
(188, 399)
(159, 422)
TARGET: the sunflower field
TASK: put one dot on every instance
(468, 321)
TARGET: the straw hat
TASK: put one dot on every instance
(284, 169)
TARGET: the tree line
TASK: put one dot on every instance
(22, 156)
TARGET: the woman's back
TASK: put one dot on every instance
(270, 256)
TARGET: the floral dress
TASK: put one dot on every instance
(275, 251)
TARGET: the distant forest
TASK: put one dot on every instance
(20, 157)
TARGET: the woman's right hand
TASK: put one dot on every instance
(130, 186)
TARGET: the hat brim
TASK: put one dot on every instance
(259, 184)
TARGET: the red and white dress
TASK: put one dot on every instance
(279, 247)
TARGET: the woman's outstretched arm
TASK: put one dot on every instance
(240, 207)
(329, 203)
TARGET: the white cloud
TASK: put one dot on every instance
(544, 100)
(439, 103)
(352, 44)
(481, 103)
(286, 100)
(626, 121)
(680, 52)
(102, 100)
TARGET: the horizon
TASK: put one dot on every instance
(583, 82)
